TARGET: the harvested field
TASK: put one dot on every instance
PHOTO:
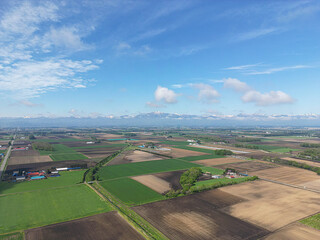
(310, 163)
(271, 205)
(106, 226)
(249, 166)
(219, 161)
(135, 156)
(291, 175)
(28, 159)
(197, 217)
(155, 183)
(295, 231)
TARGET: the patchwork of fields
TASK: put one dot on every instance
(65, 208)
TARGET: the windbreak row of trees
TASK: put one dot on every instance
(42, 146)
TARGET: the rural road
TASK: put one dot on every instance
(4, 162)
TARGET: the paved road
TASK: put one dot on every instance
(4, 162)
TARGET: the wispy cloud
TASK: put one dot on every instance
(274, 70)
(31, 43)
(260, 69)
(255, 34)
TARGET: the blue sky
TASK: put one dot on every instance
(110, 58)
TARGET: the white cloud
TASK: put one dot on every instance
(206, 92)
(242, 67)
(29, 66)
(266, 99)
(29, 79)
(165, 94)
(253, 96)
(123, 46)
(64, 37)
(236, 85)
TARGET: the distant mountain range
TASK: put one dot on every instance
(159, 119)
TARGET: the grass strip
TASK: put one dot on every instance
(139, 223)
(313, 221)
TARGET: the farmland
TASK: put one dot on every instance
(198, 217)
(136, 190)
(66, 179)
(107, 226)
(140, 168)
(130, 191)
(58, 204)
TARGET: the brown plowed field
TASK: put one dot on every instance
(249, 166)
(271, 205)
(197, 217)
(173, 178)
(28, 159)
(291, 175)
(157, 184)
(178, 153)
(106, 226)
(23, 153)
(219, 161)
(135, 156)
(296, 231)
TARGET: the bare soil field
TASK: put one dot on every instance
(140, 156)
(295, 231)
(178, 153)
(219, 161)
(49, 165)
(155, 183)
(173, 178)
(232, 148)
(28, 159)
(106, 226)
(291, 175)
(271, 205)
(249, 166)
(310, 163)
(135, 156)
(24, 153)
(197, 217)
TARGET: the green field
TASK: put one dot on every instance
(66, 179)
(120, 145)
(131, 192)
(201, 157)
(196, 149)
(63, 153)
(12, 236)
(39, 208)
(213, 171)
(140, 168)
(313, 221)
(275, 149)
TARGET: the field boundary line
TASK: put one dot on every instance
(290, 185)
(130, 215)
